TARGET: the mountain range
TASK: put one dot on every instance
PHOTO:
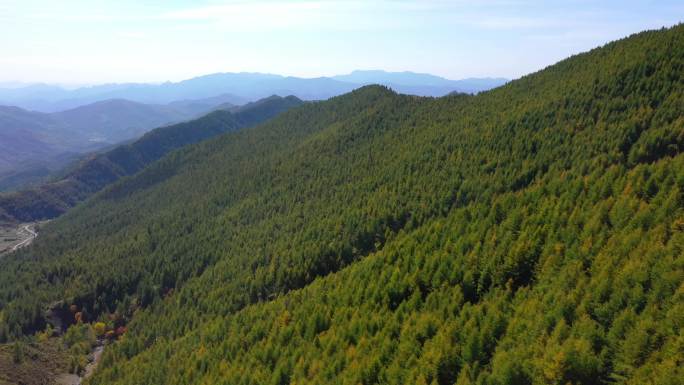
(243, 86)
(35, 144)
(91, 174)
(531, 234)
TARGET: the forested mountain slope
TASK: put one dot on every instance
(91, 175)
(34, 145)
(79, 129)
(530, 234)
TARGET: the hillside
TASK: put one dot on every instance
(115, 120)
(92, 174)
(529, 234)
(199, 107)
(108, 122)
(22, 137)
(34, 145)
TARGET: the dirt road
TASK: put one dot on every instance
(14, 237)
(75, 379)
(26, 229)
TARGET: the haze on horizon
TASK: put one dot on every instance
(86, 42)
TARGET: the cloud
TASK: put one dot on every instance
(267, 14)
(136, 35)
(325, 15)
(310, 14)
(502, 23)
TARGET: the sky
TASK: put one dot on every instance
(98, 41)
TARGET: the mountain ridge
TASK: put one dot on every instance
(249, 86)
(93, 173)
(37, 144)
(411, 79)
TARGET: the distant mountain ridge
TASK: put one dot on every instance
(51, 199)
(414, 79)
(32, 144)
(52, 126)
(244, 86)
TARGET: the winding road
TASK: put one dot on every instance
(32, 235)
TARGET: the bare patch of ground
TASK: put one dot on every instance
(14, 237)
(43, 363)
(32, 363)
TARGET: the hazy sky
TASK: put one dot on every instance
(92, 41)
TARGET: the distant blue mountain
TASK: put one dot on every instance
(243, 86)
(416, 81)
(34, 143)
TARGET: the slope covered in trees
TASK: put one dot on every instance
(91, 175)
(530, 234)
(35, 144)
